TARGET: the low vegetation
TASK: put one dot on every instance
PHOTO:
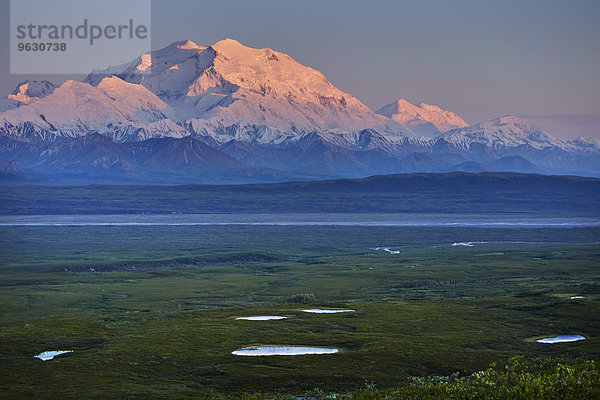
(428, 324)
(520, 378)
(304, 298)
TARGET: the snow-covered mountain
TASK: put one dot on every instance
(76, 109)
(502, 133)
(235, 111)
(226, 91)
(424, 119)
(509, 134)
(230, 91)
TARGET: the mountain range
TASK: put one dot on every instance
(228, 113)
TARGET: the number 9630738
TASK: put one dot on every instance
(42, 46)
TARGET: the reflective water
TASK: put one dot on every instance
(441, 220)
(49, 355)
(283, 351)
(561, 339)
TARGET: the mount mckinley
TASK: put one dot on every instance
(228, 113)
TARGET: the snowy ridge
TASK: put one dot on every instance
(77, 108)
(505, 132)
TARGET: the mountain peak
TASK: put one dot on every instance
(233, 49)
(510, 122)
(509, 119)
(424, 119)
(188, 45)
(228, 43)
(402, 104)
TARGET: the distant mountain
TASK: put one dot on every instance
(420, 162)
(469, 166)
(504, 164)
(502, 134)
(512, 136)
(515, 164)
(424, 119)
(231, 113)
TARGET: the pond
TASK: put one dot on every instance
(283, 351)
(49, 355)
(561, 339)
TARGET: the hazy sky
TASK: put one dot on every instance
(479, 58)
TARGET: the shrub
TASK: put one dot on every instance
(301, 298)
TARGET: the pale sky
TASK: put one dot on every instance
(480, 59)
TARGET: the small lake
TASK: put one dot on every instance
(283, 351)
(387, 249)
(49, 355)
(561, 339)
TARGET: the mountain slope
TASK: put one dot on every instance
(100, 159)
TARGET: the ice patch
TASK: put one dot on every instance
(324, 311)
(577, 297)
(468, 244)
(262, 318)
(282, 351)
(386, 249)
(561, 339)
(49, 355)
